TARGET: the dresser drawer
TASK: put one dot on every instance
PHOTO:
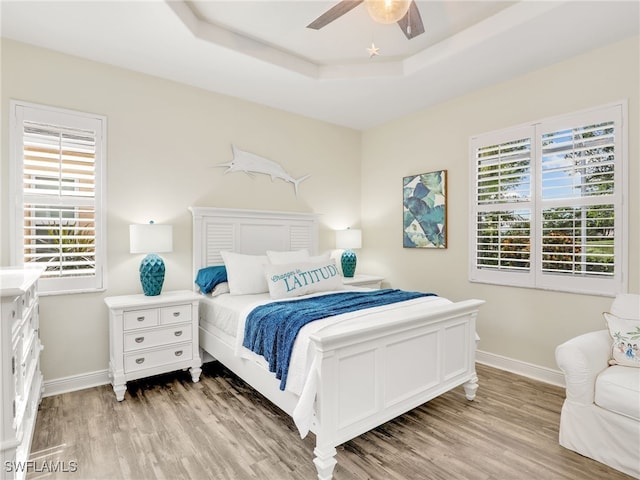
(157, 337)
(141, 318)
(28, 297)
(156, 358)
(12, 312)
(28, 365)
(175, 314)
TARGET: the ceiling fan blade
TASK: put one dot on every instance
(417, 27)
(334, 12)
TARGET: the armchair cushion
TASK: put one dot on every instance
(618, 390)
(626, 305)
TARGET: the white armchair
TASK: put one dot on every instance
(600, 417)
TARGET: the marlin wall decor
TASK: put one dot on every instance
(251, 163)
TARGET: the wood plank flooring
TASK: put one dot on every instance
(222, 429)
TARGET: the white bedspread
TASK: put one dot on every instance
(302, 362)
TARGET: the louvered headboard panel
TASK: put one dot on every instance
(249, 231)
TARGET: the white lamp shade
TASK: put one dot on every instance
(349, 238)
(150, 238)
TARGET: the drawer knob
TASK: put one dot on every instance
(13, 314)
(139, 339)
(140, 319)
(139, 361)
(178, 353)
(177, 333)
(176, 314)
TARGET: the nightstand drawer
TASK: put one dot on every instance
(155, 358)
(175, 314)
(157, 337)
(141, 318)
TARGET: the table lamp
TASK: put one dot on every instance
(348, 239)
(152, 239)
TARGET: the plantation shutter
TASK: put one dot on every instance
(59, 156)
(502, 207)
(547, 208)
(580, 213)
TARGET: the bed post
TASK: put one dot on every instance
(471, 386)
(326, 410)
(325, 461)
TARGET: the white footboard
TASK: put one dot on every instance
(374, 373)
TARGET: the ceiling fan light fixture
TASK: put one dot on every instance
(387, 11)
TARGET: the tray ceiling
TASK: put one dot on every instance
(262, 51)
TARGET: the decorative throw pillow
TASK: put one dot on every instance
(278, 258)
(626, 340)
(245, 273)
(295, 279)
(208, 277)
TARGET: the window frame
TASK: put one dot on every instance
(20, 112)
(535, 277)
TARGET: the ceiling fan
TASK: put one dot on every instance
(408, 16)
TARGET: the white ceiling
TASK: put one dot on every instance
(261, 51)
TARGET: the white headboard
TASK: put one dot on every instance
(251, 232)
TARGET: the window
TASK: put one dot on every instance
(57, 170)
(548, 204)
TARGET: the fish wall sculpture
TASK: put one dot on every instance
(251, 163)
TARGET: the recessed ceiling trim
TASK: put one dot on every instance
(248, 46)
(493, 26)
(241, 43)
(382, 69)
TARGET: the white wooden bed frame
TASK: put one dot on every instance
(365, 377)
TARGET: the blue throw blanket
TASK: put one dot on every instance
(271, 329)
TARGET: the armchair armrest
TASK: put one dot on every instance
(581, 359)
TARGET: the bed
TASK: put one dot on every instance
(358, 373)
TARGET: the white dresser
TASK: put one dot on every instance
(21, 387)
(152, 335)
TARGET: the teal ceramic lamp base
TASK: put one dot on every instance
(348, 263)
(152, 275)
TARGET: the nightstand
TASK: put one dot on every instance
(367, 281)
(152, 335)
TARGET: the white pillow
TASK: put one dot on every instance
(295, 279)
(278, 258)
(320, 258)
(245, 273)
(219, 289)
(625, 334)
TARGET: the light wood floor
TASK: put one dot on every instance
(220, 428)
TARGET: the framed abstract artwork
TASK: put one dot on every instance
(425, 210)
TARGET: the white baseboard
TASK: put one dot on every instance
(536, 372)
(75, 383)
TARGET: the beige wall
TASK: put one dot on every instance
(522, 324)
(163, 141)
